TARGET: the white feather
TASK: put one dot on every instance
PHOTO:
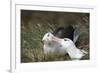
(72, 50)
(55, 45)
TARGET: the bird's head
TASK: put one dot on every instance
(47, 37)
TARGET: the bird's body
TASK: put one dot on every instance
(54, 49)
(51, 44)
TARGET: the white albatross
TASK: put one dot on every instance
(55, 45)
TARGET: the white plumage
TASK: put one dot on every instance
(55, 45)
(72, 50)
(51, 44)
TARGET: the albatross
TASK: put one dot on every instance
(61, 46)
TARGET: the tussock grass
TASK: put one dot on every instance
(34, 24)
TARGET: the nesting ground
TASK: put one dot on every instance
(34, 24)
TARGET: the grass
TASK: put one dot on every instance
(34, 24)
(37, 55)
